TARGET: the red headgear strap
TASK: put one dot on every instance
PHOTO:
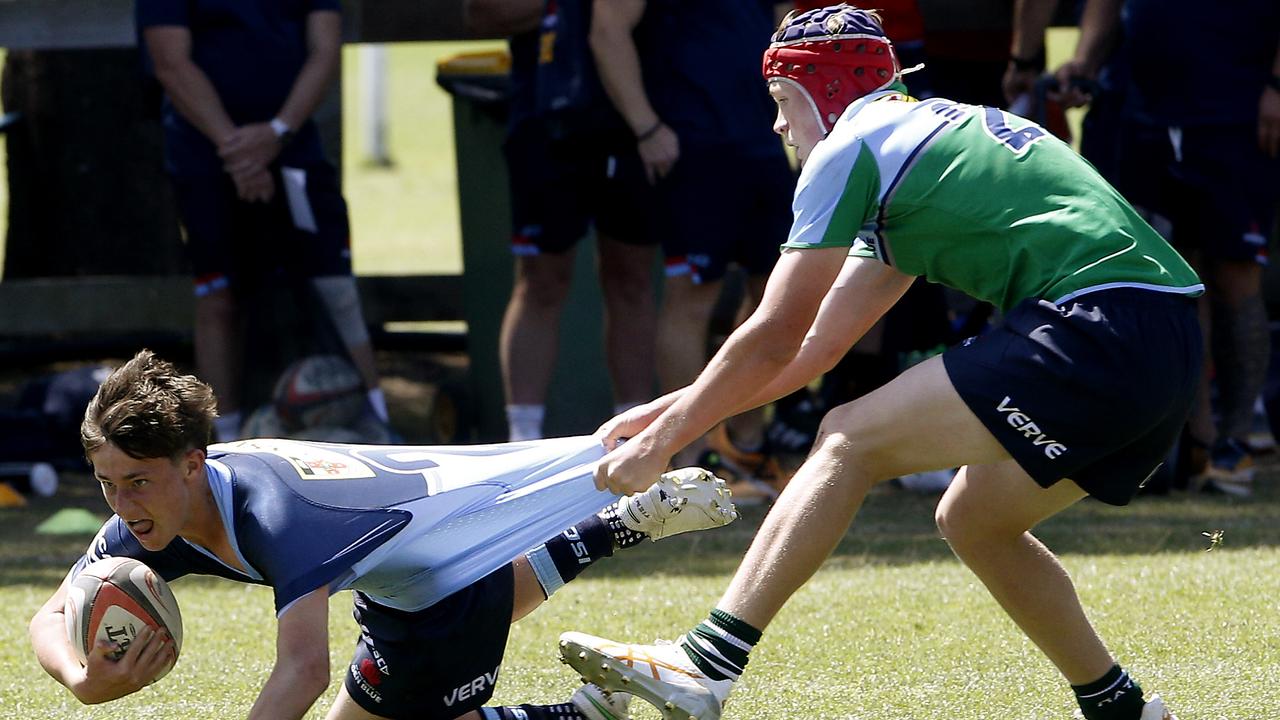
(835, 70)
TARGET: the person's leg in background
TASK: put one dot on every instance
(630, 318)
(626, 252)
(530, 337)
(1227, 191)
(757, 189)
(211, 217)
(321, 229)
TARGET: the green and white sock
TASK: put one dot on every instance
(720, 645)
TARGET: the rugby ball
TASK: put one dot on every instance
(320, 391)
(113, 599)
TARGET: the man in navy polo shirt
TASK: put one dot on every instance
(254, 190)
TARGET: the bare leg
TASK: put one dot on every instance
(986, 516)
(682, 341)
(219, 347)
(861, 443)
(631, 317)
(531, 326)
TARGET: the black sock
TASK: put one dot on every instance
(575, 549)
(565, 711)
(1114, 696)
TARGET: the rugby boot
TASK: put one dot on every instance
(680, 501)
(662, 675)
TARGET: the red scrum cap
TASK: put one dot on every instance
(835, 55)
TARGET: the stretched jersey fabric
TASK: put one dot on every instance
(977, 199)
(406, 525)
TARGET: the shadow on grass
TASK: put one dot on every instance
(894, 528)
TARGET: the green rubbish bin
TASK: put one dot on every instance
(579, 398)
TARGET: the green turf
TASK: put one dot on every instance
(891, 628)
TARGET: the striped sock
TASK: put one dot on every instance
(719, 646)
(1114, 696)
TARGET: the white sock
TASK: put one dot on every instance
(524, 422)
(378, 401)
(226, 427)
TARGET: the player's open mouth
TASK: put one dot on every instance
(140, 527)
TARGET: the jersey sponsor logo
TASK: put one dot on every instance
(310, 462)
(364, 685)
(1023, 423)
(471, 689)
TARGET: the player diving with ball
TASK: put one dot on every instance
(444, 547)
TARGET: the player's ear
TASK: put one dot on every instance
(192, 462)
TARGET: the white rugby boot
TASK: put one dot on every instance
(680, 501)
(596, 704)
(1155, 710)
(662, 675)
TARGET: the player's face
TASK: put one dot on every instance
(154, 496)
(796, 123)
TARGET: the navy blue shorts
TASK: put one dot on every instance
(437, 663)
(562, 186)
(1209, 190)
(303, 231)
(1096, 390)
(721, 207)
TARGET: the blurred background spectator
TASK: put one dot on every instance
(572, 164)
(254, 190)
(685, 76)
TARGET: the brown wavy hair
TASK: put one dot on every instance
(149, 410)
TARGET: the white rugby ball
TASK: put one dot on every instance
(113, 599)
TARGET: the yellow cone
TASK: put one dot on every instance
(10, 497)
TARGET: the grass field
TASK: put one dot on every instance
(892, 628)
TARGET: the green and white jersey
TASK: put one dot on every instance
(976, 199)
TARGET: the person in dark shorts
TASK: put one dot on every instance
(573, 167)
(699, 119)
(1079, 392)
(257, 197)
(424, 537)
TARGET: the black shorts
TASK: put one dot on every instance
(1096, 390)
(1209, 190)
(433, 664)
(303, 231)
(721, 207)
(561, 186)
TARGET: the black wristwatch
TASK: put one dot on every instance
(283, 132)
(1273, 82)
(1035, 63)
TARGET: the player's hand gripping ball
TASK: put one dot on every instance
(112, 600)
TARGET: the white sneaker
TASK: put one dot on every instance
(596, 704)
(682, 500)
(660, 674)
(1155, 710)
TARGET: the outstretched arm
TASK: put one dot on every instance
(301, 672)
(103, 679)
(753, 356)
(864, 291)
